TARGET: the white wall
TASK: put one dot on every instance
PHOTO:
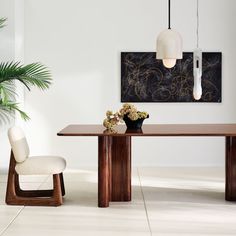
(19, 53)
(81, 41)
(6, 54)
(11, 48)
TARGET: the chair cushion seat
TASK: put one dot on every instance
(41, 165)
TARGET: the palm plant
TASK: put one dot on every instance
(34, 74)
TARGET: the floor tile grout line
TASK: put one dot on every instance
(23, 207)
(145, 206)
(9, 224)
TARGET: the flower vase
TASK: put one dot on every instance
(133, 124)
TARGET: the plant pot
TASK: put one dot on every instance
(133, 124)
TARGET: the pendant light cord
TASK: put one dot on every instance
(197, 23)
(169, 14)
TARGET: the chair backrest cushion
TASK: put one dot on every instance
(18, 143)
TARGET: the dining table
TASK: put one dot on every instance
(114, 153)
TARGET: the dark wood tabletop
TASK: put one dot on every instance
(152, 130)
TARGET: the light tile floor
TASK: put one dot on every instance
(166, 201)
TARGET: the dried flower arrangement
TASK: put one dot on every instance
(128, 111)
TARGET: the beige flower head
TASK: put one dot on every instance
(113, 119)
(133, 115)
(142, 115)
(109, 113)
(126, 108)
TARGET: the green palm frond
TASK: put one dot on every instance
(7, 110)
(2, 21)
(5, 115)
(7, 91)
(34, 74)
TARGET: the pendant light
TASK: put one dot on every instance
(169, 45)
(197, 64)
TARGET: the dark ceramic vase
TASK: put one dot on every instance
(133, 124)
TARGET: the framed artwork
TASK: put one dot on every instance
(145, 79)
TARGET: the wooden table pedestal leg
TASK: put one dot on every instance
(114, 169)
(121, 169)
(104, 156)
(230, 169)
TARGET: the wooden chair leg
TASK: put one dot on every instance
(10, 192)
(57, 192)
(16, 196)
(62, 184)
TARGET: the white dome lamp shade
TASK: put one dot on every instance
(169, 45)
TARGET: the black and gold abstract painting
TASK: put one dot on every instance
(145, 79)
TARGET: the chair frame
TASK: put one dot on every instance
(16, 196)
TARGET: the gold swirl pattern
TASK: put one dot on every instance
(145, 79)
